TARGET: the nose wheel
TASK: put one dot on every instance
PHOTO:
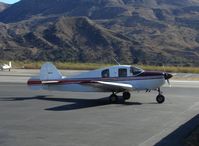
(160, 98)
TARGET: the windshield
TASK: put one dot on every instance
(136, 71)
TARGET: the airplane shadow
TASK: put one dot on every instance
(177, 137)
(72, 103)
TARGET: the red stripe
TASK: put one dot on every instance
(33, 82)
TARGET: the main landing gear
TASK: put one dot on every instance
(114, 98)
(160, 98)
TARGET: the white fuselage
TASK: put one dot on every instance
(145, 84)
(140, 80)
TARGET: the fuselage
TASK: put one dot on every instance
(138, 78)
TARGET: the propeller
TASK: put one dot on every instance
(168, 82)
(167, 76)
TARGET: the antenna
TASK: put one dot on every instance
(116, 61)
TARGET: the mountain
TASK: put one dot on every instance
(134, 31)
(63, 39)
(3, 6)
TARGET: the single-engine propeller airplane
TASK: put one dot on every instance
(6, 66)
(115, 79)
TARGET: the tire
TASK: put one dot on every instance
(126, 95)
(160, 98)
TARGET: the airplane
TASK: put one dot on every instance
(6, 66)
(115, 79)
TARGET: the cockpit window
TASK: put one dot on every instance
(122, 72)
(136, 71)
(105, 73)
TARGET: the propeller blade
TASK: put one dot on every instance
(168, 82)
(167, 76)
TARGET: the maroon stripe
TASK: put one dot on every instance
(34, 82)
(150, 73)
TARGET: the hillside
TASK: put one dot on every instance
(3, 6)
(134, 31)
(63, 39)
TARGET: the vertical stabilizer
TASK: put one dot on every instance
(49, 72)
(10, 64)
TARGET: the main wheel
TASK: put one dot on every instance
(126, 95)
(113, 98)
(160, 98)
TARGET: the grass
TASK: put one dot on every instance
(91, 66)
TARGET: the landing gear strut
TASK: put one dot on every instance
(160, 98)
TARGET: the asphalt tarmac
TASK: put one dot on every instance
(44, 118)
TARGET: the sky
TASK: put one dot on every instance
(9, 1)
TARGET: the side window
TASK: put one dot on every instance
(105, 73)
(122, 72)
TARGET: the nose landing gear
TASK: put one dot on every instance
(160, 98)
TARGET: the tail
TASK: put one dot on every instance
(10, 64)
(49, 72)
(48, 75)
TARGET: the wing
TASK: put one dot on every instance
(110, 86)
